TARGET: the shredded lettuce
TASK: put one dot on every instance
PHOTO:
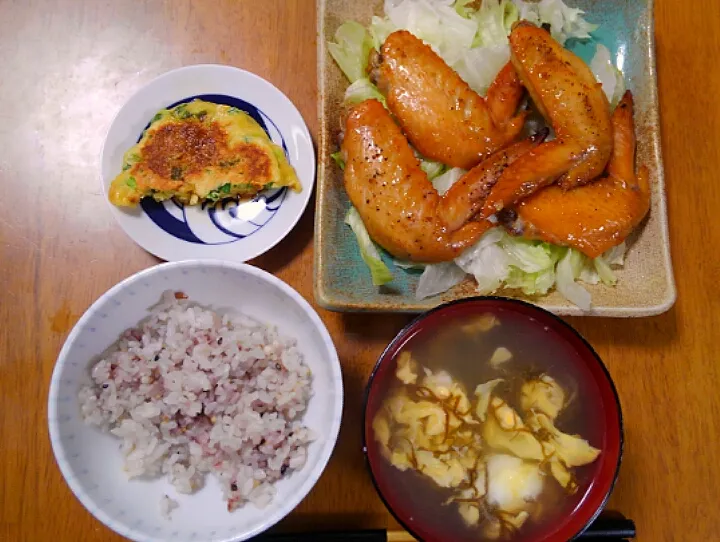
(529, 256)
(432, 169)
(532, 264)
(604, 272)
(565, 22)
(436, 23)
(362, 90)
(603, 265)
(465, 8)
(438, 278)
(351, 49)
(472, 41)
(405, 264)
(369, 252)
(487, 261)
(532, 284)
(613, 83)
(380, 28)
(339, 159)
(479, 66)
(601, 268)
(616, 255)
(495, 20)
(443, 182)
(500, 260)
(568, 270)
(588, 274)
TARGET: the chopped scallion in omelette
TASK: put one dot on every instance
(201, 151)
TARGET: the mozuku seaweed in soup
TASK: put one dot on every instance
(488, 429)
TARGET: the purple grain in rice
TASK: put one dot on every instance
(191, 392)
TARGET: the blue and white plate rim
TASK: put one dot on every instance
(221, 234)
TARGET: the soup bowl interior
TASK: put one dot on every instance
(529, 333)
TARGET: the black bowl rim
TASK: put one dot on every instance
(401, 335)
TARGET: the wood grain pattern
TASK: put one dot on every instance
(68, 65)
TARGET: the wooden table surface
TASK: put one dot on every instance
(67, 67)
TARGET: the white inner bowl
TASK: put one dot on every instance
(91, 461)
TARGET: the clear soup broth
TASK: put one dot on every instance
(517, 475)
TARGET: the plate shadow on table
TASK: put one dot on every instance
(374, 326)
(327, 522)
(294, 242)
(349, 450)
(662, 328)
(285, 252)
(658, 330)
(363, 329)
(633, 464)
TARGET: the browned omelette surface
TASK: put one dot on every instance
(198, 152)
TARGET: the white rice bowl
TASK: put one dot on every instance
(290, 369)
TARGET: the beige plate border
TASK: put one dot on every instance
(646, 285)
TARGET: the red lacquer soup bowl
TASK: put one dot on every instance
(529, 331)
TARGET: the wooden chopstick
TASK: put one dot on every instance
(400, 536)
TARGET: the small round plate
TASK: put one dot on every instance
(235, 231)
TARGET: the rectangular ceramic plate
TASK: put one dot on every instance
(645, 284)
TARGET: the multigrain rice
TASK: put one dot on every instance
(190, 391)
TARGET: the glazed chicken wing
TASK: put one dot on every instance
(596, 217)
(467, 196)
(570, 98)
(397, 202)
(441, 115)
